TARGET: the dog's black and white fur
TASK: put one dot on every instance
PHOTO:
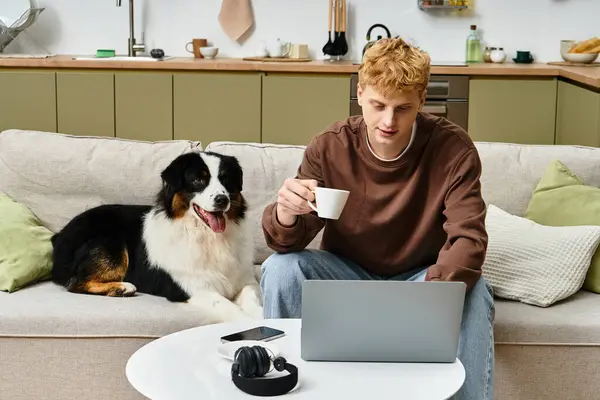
(193, 245)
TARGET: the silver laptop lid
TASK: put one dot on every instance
(381, 321)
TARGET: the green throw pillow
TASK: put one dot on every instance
(563, 199)
(25, 247)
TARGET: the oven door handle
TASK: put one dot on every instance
(438, 109)
(438, 85)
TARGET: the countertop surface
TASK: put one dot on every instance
(587, 75)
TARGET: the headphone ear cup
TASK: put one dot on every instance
(261, 360)
(252, 362)
(243, 357)
(279, 363)
(236, 354)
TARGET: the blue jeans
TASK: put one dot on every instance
(281, 283)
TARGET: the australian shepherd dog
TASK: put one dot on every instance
(193, 245)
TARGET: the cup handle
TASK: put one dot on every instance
(311, 204)
(186, 47)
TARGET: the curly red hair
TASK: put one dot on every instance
(392, 65)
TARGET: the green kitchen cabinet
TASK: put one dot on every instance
(578, 115)
(28, 100)
(144, 105)
(86, 103)
(217, 106)
(513, 109)
(296, 107)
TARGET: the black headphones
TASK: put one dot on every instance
(251, 362)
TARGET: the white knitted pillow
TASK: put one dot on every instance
(536, 264)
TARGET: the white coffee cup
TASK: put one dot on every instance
(330, 202)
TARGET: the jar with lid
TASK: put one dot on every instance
(487, 54)
(498, 55)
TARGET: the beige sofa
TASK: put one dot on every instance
(57, 345)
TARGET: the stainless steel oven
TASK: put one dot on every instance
(447, 96)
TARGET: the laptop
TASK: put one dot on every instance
(381, 321)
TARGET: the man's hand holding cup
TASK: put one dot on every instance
(293, 199)
(297, 197)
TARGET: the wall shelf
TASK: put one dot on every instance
(450, 5)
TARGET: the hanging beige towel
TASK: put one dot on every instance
(235, 17)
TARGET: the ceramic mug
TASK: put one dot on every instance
(299, 51)
(524, 56)
(330, 202)
(196, 44)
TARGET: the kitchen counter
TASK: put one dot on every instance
(586, 75)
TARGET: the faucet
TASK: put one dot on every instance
(132, 47)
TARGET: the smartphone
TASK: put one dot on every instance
(262, 333)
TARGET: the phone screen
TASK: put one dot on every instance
(263, 333)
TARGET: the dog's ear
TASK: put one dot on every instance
(173, 175)
(236, 174)
(239, 175)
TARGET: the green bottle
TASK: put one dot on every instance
(473, 46)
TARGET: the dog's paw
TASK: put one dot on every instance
(257, 313)
(216, 309)
(233, 316)
(125, 289)
(237, 313)
(254, 310)
(129, 289)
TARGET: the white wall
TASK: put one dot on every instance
(82, 26)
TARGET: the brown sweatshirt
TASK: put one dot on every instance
(423, 209)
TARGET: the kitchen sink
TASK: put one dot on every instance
(122, 58)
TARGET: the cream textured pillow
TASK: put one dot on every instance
(536, 264)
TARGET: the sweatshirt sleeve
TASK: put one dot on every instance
(464, 251)
(285, 239)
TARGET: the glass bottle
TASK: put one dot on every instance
(473, 46)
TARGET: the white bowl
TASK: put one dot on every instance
(565, 45)
(209, 52)
(579, 58)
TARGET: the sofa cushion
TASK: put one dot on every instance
(25, 247)
(536, 264)
(512, 171)
(563, 199)
(58, 176)
(266, 167)
(575, 321)
(47, 309)
(52, 311)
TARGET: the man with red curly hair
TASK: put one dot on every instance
(415, 211)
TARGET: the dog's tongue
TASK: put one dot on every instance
(216, 221)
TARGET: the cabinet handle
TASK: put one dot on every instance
(438, 89)
(438, 85)
(435, 109)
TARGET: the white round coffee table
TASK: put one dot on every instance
(186, 365)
